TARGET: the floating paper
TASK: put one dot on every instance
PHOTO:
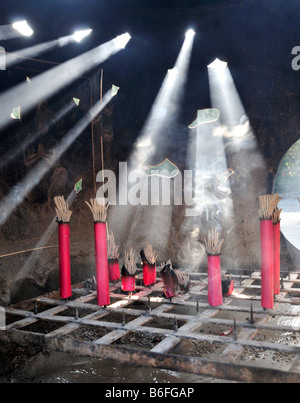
(77, 101)
(114, 90)
(165, 169)
(78, 186)
(223, 178)
(2, 58)
(205, 116)
(16, 113)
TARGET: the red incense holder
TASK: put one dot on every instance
(149, 273)
(267, 264)
(64, 260)
(114, 270)
(276, 254)
(128, 281)
(103, 297)
(215, 297)
(227, 287)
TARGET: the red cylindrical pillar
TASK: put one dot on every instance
(114, 269)
(102, 276)
(267, 263)
(214, 280)
(149, 273)
(64, 260)
(276, 252)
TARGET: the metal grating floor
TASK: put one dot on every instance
(237, 341)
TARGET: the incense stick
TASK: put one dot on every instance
(268, 204)
(213, 243)
(276, 215)
(62, 210)
(130, 261)
(99, 211)
(149, 254)
(112, 248)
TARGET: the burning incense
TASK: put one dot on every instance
(63, 213)
(269, 215)
(170, 279)
(276, 247)
(149, 254)
(213, 249)
(149, 265)
(174, 280)
(129, 270)
(213, 242)
(276, 215)
(112, 248)
(130, 261)
(276, 251)
(268, 203)
(99, 212)
(63, 218)
(113, 259)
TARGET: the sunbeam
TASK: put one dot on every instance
(32, 179)
(153, 222)
(49, 83)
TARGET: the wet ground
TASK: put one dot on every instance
(32, 365)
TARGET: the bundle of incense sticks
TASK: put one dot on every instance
(63, 217)
(149, 265)
(113, 259)
(149, 254)
(276, 215)
(276, 250)
(99, 210)
(269, 215)
(130, 261)
(268, 203)
(112, 248)
(62, 210)
(213, 249)
(213, 242)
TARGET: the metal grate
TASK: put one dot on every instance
(237, 341)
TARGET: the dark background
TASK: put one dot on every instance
(255, 38)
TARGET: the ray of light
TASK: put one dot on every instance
(32, 179)
(153, 222)
(49, 83)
